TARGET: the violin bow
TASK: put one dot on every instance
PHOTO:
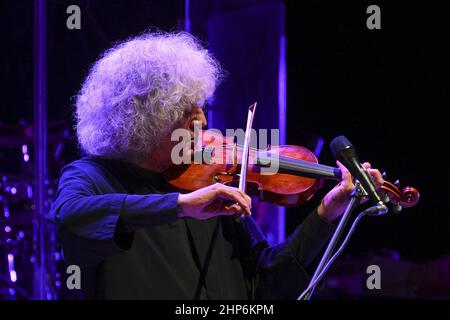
(247, 140)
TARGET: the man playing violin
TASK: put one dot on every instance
(130, 232)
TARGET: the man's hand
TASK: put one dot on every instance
(334, 203)
(214, 200)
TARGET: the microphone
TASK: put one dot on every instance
(344, 151)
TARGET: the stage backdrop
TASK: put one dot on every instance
(247, 37)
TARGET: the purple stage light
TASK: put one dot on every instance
(12, 271)
(282, 123)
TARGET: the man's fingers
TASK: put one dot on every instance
(218, 207)
(366, 165)
(246, 198)
(377, 177)
(374, 173)
(347, 182)
(234, 194)
(233, 209)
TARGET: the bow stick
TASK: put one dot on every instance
(244, 166)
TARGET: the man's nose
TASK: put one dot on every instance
(196, 124)
(199, 121)
(204, 120)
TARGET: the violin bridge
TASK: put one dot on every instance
(224, 173)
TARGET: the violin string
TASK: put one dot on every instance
(293, 164)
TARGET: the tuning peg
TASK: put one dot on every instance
(397, 208)
(397, 183)
(384, 175)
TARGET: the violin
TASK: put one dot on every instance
(298, 177)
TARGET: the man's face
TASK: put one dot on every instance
(195, 117)
(191, 119)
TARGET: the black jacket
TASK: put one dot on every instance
(119, 223)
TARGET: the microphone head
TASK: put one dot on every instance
(339, 146)
(344, 151)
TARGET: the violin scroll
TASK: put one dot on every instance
(400, 198)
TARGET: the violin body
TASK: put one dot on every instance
(297, 177)
(282, 188)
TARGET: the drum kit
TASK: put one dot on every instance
(19, 245)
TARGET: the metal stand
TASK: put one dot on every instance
(355, 198)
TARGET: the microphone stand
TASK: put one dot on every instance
(355, 197)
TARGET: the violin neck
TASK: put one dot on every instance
(299, 167)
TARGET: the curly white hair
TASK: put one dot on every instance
(138, 90)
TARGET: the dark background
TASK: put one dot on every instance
(386, 90)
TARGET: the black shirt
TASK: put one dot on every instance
(118, 222)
